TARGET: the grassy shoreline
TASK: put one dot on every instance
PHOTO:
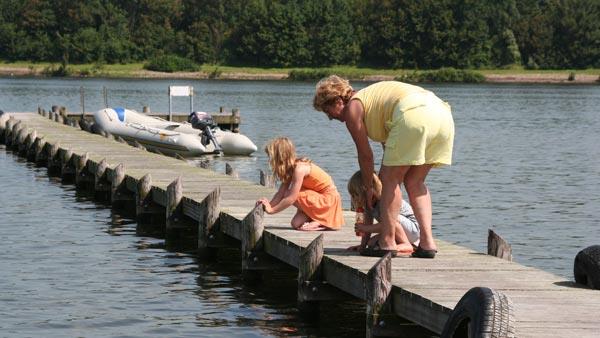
(136, 70)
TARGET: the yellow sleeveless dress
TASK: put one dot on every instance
(320, 200)
(415, 125)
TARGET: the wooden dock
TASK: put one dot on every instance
(209, 207)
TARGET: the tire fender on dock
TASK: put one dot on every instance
(587, 267)
(481, 312)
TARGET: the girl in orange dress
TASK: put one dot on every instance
(304, 185)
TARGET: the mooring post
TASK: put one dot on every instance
(22, 140)
(309, 273)
(498, 247)
(28, 144)
(30, 153)
(82, 176)
(40, 156)
(150, 216)
(252, 241)
(53, 163)
(230, 171)
(378, 289)
(266, 180)
(67, 168)
(174, 196)
(101, 184)
(118, 191)
(8, 130)
(208, 228)
(12, 135)
(138, 145)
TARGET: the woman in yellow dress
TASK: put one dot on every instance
(416, 130)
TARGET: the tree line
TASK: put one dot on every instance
(414, 34)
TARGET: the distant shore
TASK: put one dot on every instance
(231, 73)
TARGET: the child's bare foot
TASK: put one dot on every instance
(312, 226)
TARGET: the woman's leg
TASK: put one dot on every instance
(390, 203)
(420, 200)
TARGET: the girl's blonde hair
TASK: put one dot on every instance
(329, 89)
(282, 158)
(357, 190)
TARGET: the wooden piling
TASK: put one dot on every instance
(266, 180)
(150, 216)
(378, 289)
(40, 156)
(82, 176)
(118, 192)
(67, 168)
(54, 163)
(252, 233)
(208, 227)
(498, 247)
(174, 195)
(230, 171)
(101, 184)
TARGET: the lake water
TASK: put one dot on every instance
(526, 164)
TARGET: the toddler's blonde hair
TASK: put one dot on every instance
(357, 190)
(330, 88)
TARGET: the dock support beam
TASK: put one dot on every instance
(209, 236)
(498, 247)
(101, 183)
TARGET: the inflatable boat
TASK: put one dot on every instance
(199, 137)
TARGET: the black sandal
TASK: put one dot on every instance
(424, 253)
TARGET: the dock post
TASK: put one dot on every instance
(378, 289)
(498, 247)
(230, 171)
(32, 139)
(22, 139)
(209, 236)
(28, 143)
(267, 180)
(53, 163)
(174, 196)
(39, 154)
(150, 217)
(8, 130)
(67, 168)
(11, 133)
(101, 184)
(119, 195)
(82, 176)
(180, 232)
(309, 274)
(252, 244)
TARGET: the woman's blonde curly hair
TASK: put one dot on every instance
(330, 88)
(282, 158)
(357, 191)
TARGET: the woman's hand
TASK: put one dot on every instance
(370, 197)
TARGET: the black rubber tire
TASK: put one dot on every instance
(481, 312)
(587, 267)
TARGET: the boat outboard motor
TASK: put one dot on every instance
(204, 122)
